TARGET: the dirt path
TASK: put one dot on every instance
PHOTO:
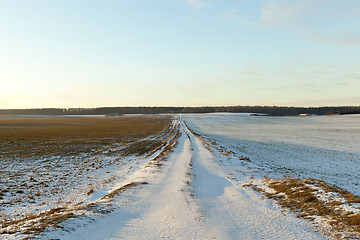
(192, 198)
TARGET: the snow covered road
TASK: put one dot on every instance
(192, 197)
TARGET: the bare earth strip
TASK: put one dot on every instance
(191, 197)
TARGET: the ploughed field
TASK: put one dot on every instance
(44, 137)
(48, 163)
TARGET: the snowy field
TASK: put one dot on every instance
(323, 147)
(191, 196)
(195, 184)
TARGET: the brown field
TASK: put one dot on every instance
(34, 137)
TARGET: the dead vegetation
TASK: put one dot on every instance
(33, 137)
(168, 145)
(31, 224)
(121, 189)
(312, 198)
(34, 223)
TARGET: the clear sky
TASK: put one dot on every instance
(85, 53)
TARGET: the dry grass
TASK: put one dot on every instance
(121, 189)
(302, 197)
(34, 223)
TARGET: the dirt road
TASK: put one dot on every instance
(191, 197)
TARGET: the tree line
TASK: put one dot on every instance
(270, 110)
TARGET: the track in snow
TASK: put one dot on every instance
(192, 198)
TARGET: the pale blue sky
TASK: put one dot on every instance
(179, 53)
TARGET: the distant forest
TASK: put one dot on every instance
(270, 110)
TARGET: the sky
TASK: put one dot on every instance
(88, 53)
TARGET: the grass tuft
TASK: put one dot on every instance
(302, 197)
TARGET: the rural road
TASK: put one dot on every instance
(191, 197)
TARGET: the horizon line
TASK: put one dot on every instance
(204, 106)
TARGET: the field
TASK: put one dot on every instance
(49, 163)
(308, 165)
(201, 176)
(35, 137)
(321, 147)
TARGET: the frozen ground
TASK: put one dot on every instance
(199, 190)
(38, 192)
(322, 147)
(193, 195)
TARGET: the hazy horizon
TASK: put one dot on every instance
(89, 54)
(204, 106)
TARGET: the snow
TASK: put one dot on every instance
(354, 208)
(192, 197)
(321, 147)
